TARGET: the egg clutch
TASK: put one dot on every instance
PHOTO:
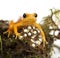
(28, 20)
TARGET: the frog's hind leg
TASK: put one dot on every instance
(10, 28)
(8, 31)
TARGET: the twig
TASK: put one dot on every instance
(56, 46)
(55, 29)
(0, 43)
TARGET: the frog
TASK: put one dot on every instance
(26, 20)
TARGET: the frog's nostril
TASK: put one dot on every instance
(24, 15)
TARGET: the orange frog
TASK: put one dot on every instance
(28, 19)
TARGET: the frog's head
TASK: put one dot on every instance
(30, 17)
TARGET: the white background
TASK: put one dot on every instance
(12, 9)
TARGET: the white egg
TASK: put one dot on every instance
(25, 35)
(29, 27)
(29, 34)
(38, 31)
(40, 36)
(25, 30)
(40, 39)
(38, 42)
(33, 27)
(33, 45)
(35, 32)
(32, 40)
(20, 37)
(33, 36)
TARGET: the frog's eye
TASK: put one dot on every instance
(35, 14)
(24, 15)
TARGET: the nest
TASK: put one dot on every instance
(28, 45)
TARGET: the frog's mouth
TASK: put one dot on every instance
(28, 23)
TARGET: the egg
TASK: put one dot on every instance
(25, 35)
(40, 36)
(25, 30)
(33, 45)
(20, 37)
(38, 42)
(32, 40)
(40, 39)
(35, 32)
(29, 27)
(33, 36)
(33, 27)
(29, 34)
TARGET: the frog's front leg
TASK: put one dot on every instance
(16, 31)
(42, 33)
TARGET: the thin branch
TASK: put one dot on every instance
(55, 29)
(56, 46)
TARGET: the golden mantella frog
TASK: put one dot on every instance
(28, 19)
